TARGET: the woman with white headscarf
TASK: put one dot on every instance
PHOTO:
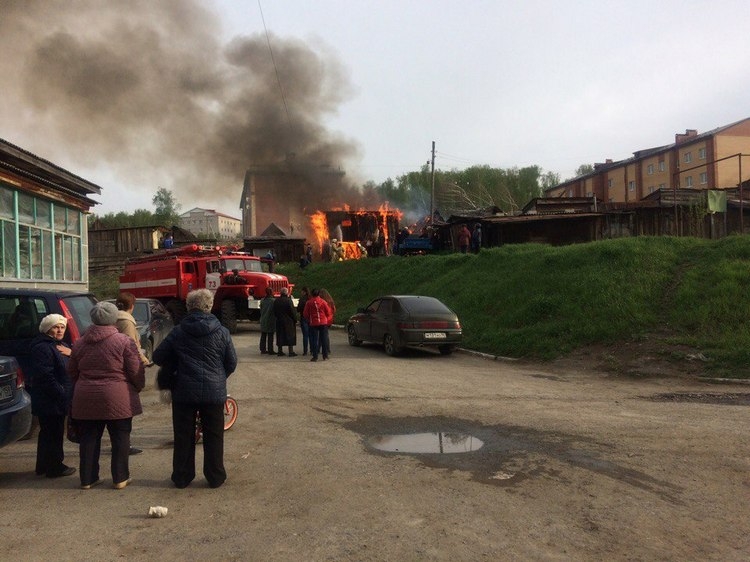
(51, 391)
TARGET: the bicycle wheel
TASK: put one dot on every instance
(230, 412)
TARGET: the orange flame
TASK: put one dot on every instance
(319, 226)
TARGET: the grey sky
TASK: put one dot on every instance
(513, 83)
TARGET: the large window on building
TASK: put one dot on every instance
(41, 239)
(687, 157)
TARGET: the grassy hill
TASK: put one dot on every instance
(541, 302)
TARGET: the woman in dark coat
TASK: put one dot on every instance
(286, 322)
(200, 354)
(51, 391)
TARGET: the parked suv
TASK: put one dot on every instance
(15, 404)
(21, 310)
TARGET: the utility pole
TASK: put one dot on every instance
(432, 192)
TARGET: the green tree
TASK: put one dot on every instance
(584, 169)
(167, 210)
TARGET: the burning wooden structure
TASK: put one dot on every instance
(357, 231)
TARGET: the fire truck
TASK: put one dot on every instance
(236, 278)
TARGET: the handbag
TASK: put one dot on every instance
(72, 431)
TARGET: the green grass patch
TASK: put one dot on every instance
(541, 302)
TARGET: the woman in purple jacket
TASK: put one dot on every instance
(107, 374)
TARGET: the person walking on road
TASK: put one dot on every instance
(267, 323)
(318, 315)
(200, 354)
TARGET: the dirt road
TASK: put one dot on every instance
(571, 466)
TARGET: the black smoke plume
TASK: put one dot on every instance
(149, 91)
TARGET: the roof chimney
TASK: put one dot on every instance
(689, 134)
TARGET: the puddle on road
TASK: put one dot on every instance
(500, 455)
(426, 443)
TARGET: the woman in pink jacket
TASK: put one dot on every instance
(107, 374)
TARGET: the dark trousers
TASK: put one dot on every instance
(325, 342)
(49, 445)
(183, 457)
(305, 327)
(317, 335)
(266, 342)
(91, 446)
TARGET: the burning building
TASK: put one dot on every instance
(291, 195)
(280, 194)
(357, 231)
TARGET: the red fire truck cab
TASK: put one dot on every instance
(236, 278)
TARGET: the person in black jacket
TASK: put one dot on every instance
(200, 354)
(51, 391)
(286, 322)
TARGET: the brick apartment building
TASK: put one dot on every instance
(703, 161)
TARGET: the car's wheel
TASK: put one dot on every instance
(352, 334)
(446, 349)
(390, 345)
(229, 316)
(148, 349)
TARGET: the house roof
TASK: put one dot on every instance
(25, 164)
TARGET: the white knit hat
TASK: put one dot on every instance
(50, 321)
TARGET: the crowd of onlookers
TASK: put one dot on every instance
(95, 385)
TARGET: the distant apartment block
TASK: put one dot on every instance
(209, 223)
(709, 160)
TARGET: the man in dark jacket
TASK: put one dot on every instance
(201, 354)
(286, 322)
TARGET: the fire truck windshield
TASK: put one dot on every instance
(242, 265)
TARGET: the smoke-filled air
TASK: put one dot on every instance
(149, 91)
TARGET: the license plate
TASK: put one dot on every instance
(434, 335)
(6, 391)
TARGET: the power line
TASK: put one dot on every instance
(275, 68)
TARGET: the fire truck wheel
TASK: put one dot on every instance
(229, 316)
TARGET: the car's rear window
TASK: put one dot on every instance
(424, 305)
(80, 308)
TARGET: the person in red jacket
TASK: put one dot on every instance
(318, 315)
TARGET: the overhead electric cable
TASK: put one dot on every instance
(275, 68)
